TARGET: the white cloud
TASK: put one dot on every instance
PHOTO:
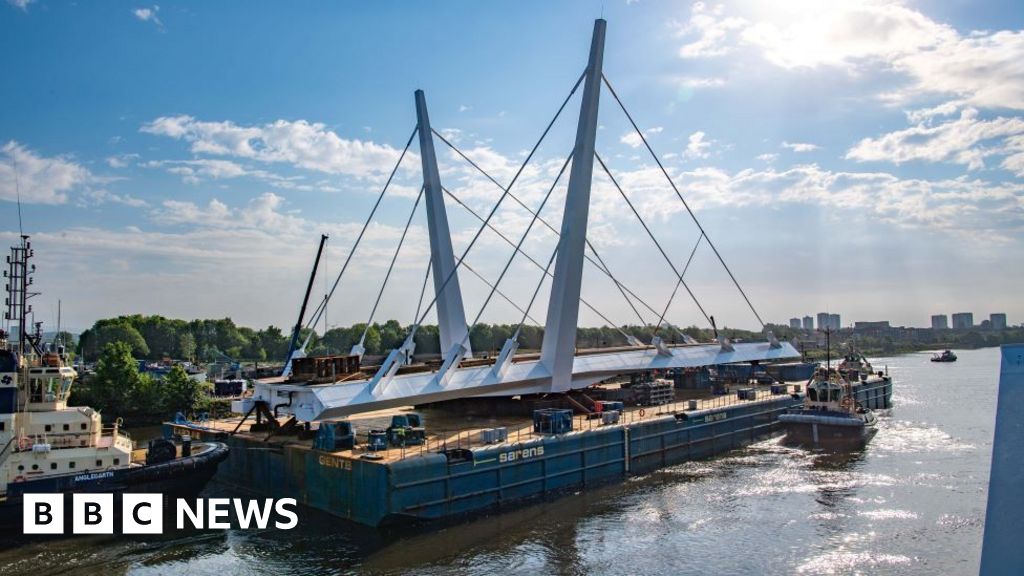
(204, 169)
(40, 179)
(927, 114)
(967, 140)
(970, 208)
(22, 4)
(633, 140)
(1014, 162)
(121, 160)
(768, 157)
(100, 196)
(149, 15)
(699, 82)
(800, 146)
(933, 57)
(697, 146)
(464, 108)
(712, 31)
(452, 135)
(300, 143)
(160, 259)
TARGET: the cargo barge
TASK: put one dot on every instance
(454, 473)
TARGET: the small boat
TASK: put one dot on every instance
(49, 447)
(946, 356)
(830, 417)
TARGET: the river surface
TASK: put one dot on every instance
(913, 502)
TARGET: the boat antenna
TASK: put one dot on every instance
(828, 349)
(17, 191)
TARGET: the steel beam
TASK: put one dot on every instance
(451, 315)
(329, 401)
(559, 346)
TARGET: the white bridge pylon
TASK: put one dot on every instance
(558, 369)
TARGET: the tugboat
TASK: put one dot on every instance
(946, 356)
(830, 417)
(47, 446)
(855, 366)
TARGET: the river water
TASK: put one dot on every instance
(913, 502)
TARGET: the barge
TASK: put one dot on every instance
(454, 473)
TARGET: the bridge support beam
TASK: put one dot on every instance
(559, 346)
(451, 315)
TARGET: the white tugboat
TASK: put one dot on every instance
(47, 446)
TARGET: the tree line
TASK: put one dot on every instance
(156, 337)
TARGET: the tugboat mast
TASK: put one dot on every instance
(19, 277)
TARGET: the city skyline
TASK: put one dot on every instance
(998, 320)
(168, 163)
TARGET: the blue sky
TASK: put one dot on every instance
(182, 159)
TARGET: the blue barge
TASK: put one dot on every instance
(452, 479)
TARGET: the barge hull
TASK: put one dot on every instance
(431, 486)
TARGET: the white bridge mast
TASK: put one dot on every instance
(451, 315)
(559, 346)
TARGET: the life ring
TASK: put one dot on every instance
(24, 443)
(641, 412)
(847, 402)
(19, 478)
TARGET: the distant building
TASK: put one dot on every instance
(998, 321)
(808, 323)
(940, 322)
(963, 320)
(879, 328)
(833, 322)
(794, 323)
(823, 323)
(880, 325)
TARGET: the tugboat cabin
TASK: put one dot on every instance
(826, 394)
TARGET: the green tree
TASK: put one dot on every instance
(391, 335)
(186, 346)
(181, 393)
(480, 338)
(121, 332)
(274, 342)
(373, 343)
(147, 397)
(117, 379)
(427, 339)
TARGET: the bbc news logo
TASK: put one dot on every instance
(144, 513)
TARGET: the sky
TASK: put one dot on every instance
(862, 158)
